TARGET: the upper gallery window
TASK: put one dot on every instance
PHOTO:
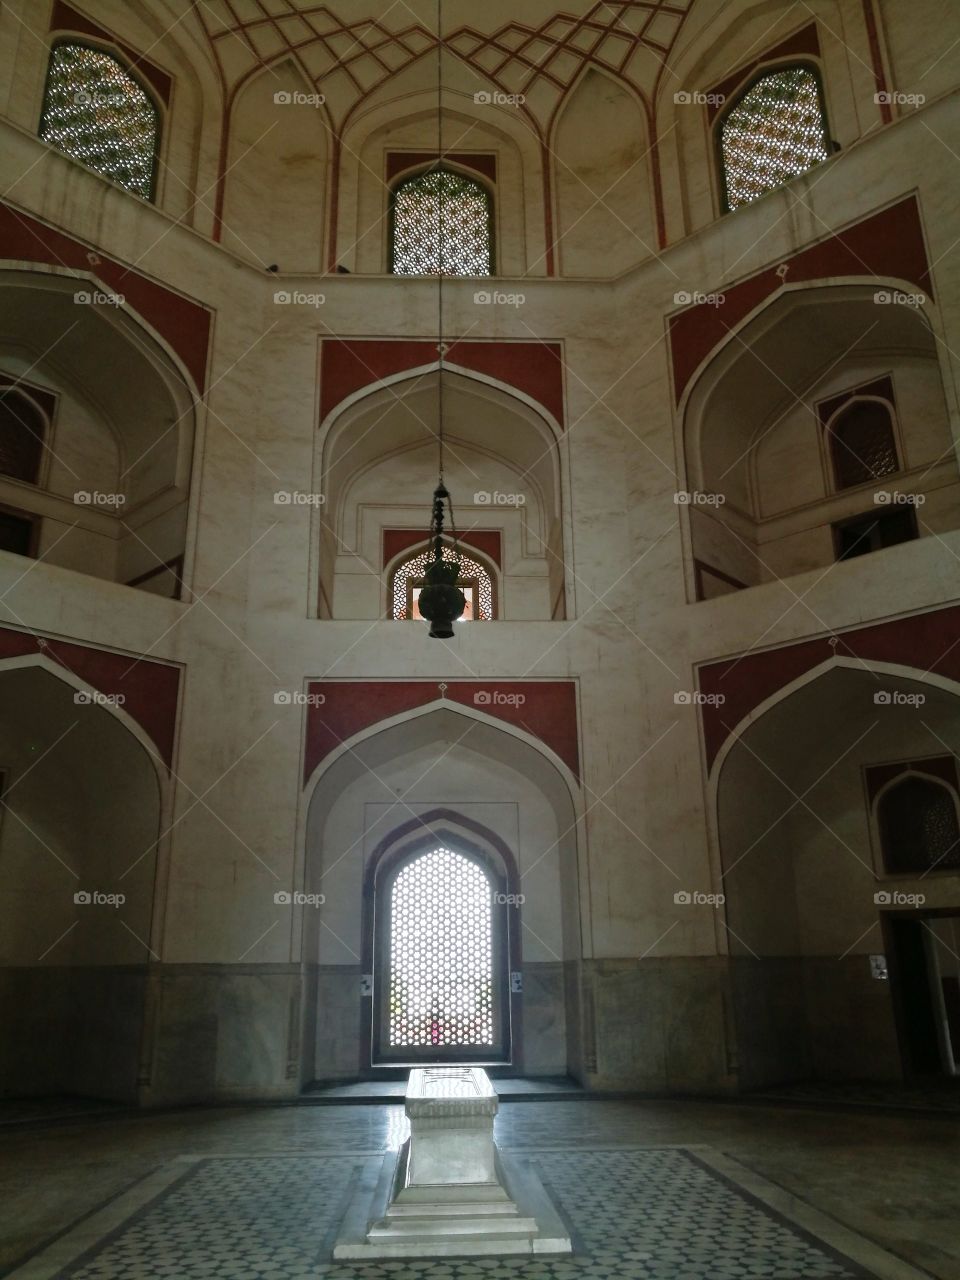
(918, 825)
(771, 132)
(96, 112)
(21, 436)
(441, 225)
(863, 444)
(409, 578)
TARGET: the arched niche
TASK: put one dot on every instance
(79, 826)
(377, 468)
(805, 887)
(276, 183)
(115, 475)
(755, 443)
(717, 42)
(461, 777)
(604, 190)
(189, 152)
(401, 119)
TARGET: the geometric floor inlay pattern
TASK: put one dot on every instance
(636, 1214)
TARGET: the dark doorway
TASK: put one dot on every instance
(912, 992)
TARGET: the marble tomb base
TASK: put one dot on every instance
(449, 1191)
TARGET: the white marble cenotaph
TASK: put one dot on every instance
(449, 1191)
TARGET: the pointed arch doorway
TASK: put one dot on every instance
(442, 938)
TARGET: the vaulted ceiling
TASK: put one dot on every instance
(348, 58)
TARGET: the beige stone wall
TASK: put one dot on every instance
(655, 985)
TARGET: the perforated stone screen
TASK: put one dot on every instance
(98, 114)
(441, 226)
(774, 132)
(918, 828)
(474, 581)
(863, 442)
(441, 954)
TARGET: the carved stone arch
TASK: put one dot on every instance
(606, 216)
(277, 181)
(446, 828)
(746, 481)
(518, 450)
(356, 809)
(407, 123)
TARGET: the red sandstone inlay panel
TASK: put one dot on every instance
(486, 541)
(928, 642)
(887, 244)
(150, 690)
(183, 323)
(548, 712)
(535, 368)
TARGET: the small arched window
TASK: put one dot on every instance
(863, 443)
(917, 820)
(475, 582)
(771, 132)
(22, 429)
(441, 224)
(97, 113)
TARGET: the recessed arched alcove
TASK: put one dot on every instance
(277, 183)
(810, 900)
(605, 215)
(377, 468)
(396, 131)
(760, 463)
(456, 780)
(112, 491)
(79, 824)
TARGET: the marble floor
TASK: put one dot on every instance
(652, 1190)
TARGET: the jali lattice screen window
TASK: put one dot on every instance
(96, 112)
(918, 827)
(475, 583)
(441, 991)
(773, 131)
(441, 225)
(863, 444)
